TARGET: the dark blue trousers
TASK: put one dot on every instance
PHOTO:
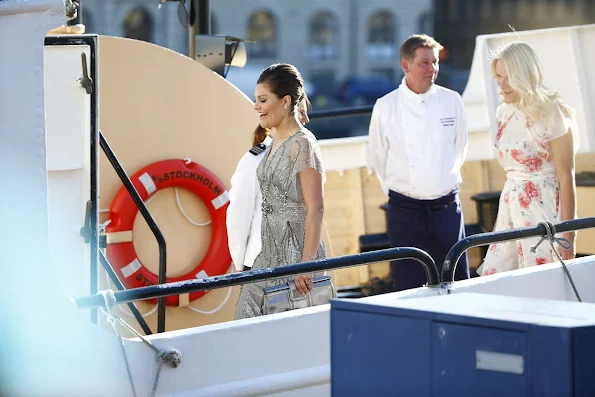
(430, 225)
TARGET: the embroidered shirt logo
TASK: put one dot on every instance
(447, 121)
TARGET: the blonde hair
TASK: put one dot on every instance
(525, 76)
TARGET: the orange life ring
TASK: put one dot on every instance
(123, 211)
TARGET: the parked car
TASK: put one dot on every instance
(336, 127)
(364, 90)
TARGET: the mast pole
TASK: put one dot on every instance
(200, 23)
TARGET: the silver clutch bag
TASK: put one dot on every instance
(284, 297)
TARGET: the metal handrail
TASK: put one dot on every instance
(116, 280)
(228, 280)
(140, 204)
(363, 110)
(457, 250)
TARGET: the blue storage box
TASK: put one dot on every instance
(463, 344)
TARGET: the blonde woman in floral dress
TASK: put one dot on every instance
(536, 144)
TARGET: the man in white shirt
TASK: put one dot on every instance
(418, 142)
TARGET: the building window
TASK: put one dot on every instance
(324, 37)
(138, 24)
(263, 32)
(381, 36)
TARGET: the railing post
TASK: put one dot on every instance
(457, 250)
(116, 280)
(148, 218)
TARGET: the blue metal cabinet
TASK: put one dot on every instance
(456, 350)
(462, 345)
(371, 343)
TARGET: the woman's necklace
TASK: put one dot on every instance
(269, 168)
(278, 142)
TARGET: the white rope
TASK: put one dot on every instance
(129, 314)
(124, 308)
(104, 224)
(215, 310)
(109, 300)
(562, 242)
(172, 357)
(126, 311)
(187, 161)
(147, 314)
(179, 206)
(186, 215)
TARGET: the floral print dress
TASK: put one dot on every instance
(531, 192)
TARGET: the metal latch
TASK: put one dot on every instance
(86, 82)
(85, 231)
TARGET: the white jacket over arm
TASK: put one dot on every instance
(244, 213)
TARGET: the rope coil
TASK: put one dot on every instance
(172, 357)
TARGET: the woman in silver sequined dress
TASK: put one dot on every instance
(291, 178)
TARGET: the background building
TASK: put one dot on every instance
(458, 22)
(329, 41)
(347, 50)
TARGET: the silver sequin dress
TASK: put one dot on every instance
(284, 215)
